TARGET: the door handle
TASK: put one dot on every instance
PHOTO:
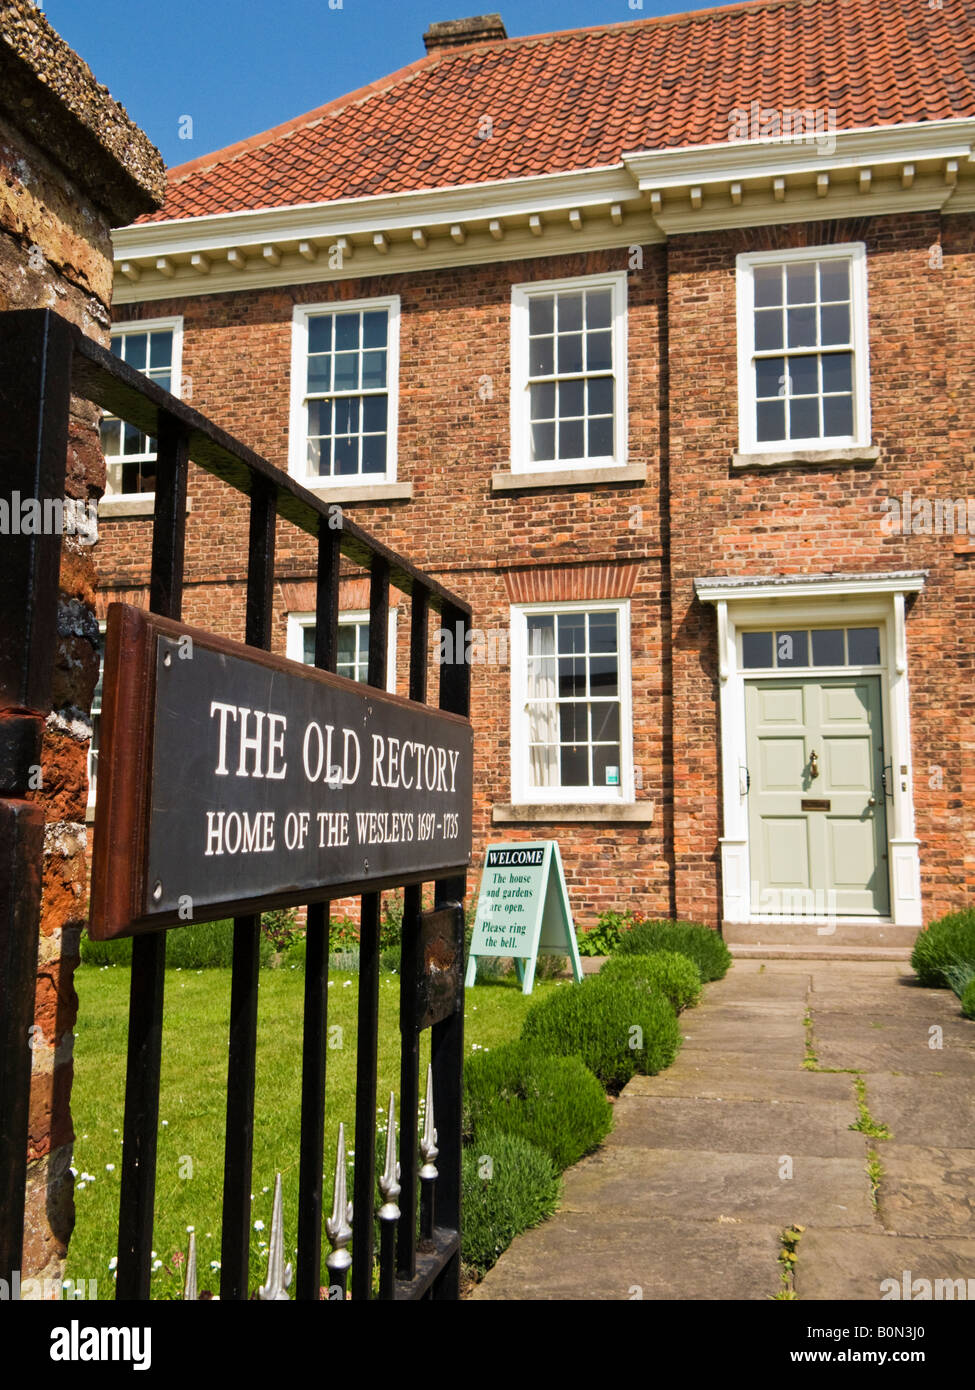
(871, 801)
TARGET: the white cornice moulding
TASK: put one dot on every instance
(730, 590)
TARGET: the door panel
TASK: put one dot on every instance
(822, 741)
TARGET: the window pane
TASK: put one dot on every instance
(319, 418)
(575, 766)
(864, 644)
(541, 357)
(134, 350)
(802, 327)
(771, 420)
(600, 441)
(827, 647)
(541, 314)
(800, 278)
(803, 376)
(599, 351)
(373, 369)
(770, 376)
(606, 766)
(604, 675)
(792, 648)
(374, 328)
(543, 401)
(572, 677)
(572, 633)
(599, 308)
(320, 333)
(570, 313)
(374, 453)
(111, 436)
(346, 371)
(374, 414)
(133, 441)
(570, 352)
(804, 418)
(347, 646)
(602, 632)
(756, 650)
(834, 322)
(837, 415)
(768, 330)
(161, 349)
(600, 395)
(837, 371)
(605, 722)
(346, 332)
(834, 280)
(571, 440)
(768, 285)
(543, 442)
(571, 398)
(320, 373)
(308, 644)
(347, 455)
(541, 634)
(347, 415)
(574, 723)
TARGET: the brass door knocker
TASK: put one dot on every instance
(813, 767)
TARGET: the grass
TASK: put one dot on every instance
(193, 1100)
(865, 1122)
(788, 1256)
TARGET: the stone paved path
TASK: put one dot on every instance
(689, 1196)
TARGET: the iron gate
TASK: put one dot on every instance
(43, 359)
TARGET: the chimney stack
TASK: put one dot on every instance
(456, 33)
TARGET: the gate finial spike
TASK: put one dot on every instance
(388, 1182)
(189, 1288)
(428, 1143)
(278, 1273)
(338, 1227)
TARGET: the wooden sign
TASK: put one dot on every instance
(523, 908)
(234, 781)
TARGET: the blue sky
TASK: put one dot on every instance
(237, 67)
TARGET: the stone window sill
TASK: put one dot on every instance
(822, 458)
(367, 492)
(635, 813)
(135, 504)
(567, 477)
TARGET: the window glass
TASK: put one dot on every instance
(573, 700)
(347, 393)
(571, 375)
(130, 455)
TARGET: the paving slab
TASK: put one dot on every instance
(820, 1128)
(576, 1257)
(939, 1113)
(701, 1185)
(692, 1077)
(852, 1266)
(927, 1191)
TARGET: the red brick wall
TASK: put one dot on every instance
(695, 516)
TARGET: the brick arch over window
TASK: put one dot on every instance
(570, 583)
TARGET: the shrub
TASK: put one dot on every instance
(554, 1102)
(699, 943)
(669, 973)
(606, 935)
(280, 927)
(968, 1000)
(508, 1185)
(947, 942)
(615, 1026)
(195, 946)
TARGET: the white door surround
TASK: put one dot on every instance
(815, 601)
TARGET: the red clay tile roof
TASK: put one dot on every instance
(581, 98)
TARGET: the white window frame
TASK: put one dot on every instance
(522, 793)
(855, 252)
(121, 330)
(521, 457)
(298, 433)
(298, 622)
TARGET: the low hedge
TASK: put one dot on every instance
(968, 1000)
(556, 1103)
(669, 973)
(699, 943)
(946, 943)
(614, 1025)
(507, 1185)
(195, 946)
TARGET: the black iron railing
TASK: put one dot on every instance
(43, 359)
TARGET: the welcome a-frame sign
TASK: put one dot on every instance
(523, 908)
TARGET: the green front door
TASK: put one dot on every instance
(816, 810)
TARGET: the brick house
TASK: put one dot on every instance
(655, 341)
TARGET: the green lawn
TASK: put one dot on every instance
(192, 1104)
